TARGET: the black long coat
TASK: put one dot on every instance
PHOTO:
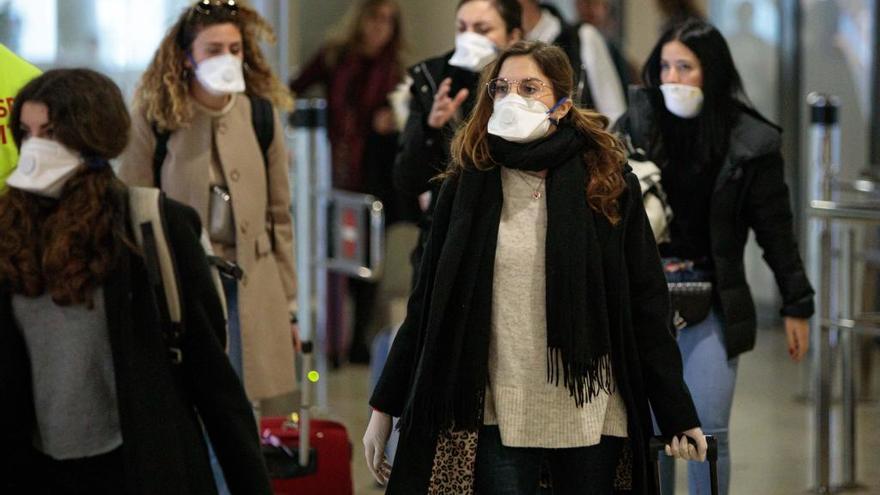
(645, 357)
(163, 448)
(749, 193)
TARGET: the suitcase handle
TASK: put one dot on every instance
(658, 444)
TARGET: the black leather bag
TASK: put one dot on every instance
(690, 292)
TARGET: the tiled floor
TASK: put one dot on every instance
(770, 429)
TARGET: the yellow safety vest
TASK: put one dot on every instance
(14, 74)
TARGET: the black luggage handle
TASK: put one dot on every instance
(658, 444)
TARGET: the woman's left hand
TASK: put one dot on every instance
(294, 334)
(797, 332)
(683, 449)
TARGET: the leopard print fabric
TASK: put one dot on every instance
(455, 459)
(623, 477)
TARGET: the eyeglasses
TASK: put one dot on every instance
(207, 7)
(528, 88)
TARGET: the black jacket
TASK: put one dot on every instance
(645, 357)
(749, 193)
(163, 446)
(423, 152)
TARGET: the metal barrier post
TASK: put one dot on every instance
(825, 148)
(322, 185)
(848, 354)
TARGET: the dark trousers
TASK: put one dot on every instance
(99, 475)
(504, 470)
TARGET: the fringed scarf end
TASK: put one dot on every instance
(583, 379)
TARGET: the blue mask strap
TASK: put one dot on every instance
(555, 107)
(192, 60)
(96, 162)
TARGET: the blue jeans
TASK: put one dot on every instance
(230, 289)
(711, 378)
(504, 470)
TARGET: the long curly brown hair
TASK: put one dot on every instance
(163, 92)
(67, 247)
(604, 160)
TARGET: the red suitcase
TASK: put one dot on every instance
(329, 468)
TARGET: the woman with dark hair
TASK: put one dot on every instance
(722, 171)
(205, 130)
(91, 398)
(358, 70)
(537, 329)
(444, 91)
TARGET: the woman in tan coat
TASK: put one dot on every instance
(201, 100)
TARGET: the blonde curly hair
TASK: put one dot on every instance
(163, 91)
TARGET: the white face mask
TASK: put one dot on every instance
(221, 75)
(517, 119)
(682, 100)
(44, 167)
(473, 51)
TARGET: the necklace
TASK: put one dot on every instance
(536, 193)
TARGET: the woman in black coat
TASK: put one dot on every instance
(582, 330)
(91, 400)
(443, 93)
(722, 172)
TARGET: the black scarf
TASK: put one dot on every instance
(455, 282)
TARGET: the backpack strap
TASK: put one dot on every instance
(263, 122)
(159, 153)
(148, 226)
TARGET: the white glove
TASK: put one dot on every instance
(375, 439)
(682, 449)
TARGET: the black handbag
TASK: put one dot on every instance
(690, 292)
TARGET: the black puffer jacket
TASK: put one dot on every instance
(749, 193)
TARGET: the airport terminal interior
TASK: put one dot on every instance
(810, 68)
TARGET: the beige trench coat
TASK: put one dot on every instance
(268, 289)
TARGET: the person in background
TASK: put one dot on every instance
(444, 91)
(597, 82)
(93, 401)
(675, 12)
(602, 15)
(537, 331)
(722, 171)
(15, 72)
(200, 87)
(357, 72)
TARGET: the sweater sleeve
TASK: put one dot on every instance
(315, 72)
(212, 384)
(649, 303)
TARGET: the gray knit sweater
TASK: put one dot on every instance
(74, 384)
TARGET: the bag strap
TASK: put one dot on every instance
(148, 226)
(263, 122)
(159, 153)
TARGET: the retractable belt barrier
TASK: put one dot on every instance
(838, 213)
(336, 231)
